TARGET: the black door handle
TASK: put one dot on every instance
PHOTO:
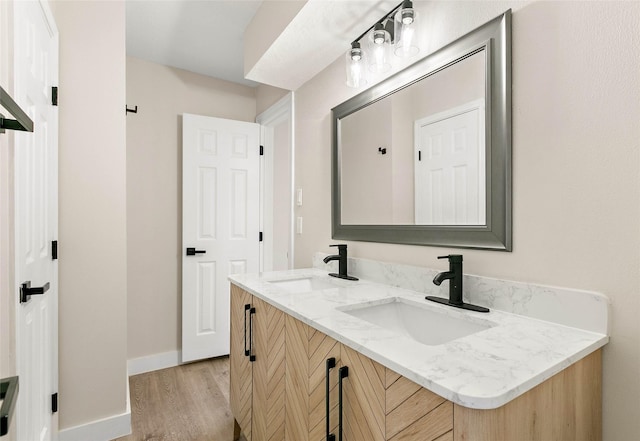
(26, 291)
(331, 363)
(193, 251)
(343, 372)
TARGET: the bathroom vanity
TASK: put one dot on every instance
(313, 356)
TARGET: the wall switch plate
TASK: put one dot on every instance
(299, 225)
(299, 197)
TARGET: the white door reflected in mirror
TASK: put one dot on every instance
(450, 167)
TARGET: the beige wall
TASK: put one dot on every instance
(367, 189)
(267, 96)
(281, 200)
(92, 211)
(154, 191)
(576, 167)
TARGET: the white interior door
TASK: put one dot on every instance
(220, 221)
(36, 226)
(450, 167)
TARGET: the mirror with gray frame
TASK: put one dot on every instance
(424, 157)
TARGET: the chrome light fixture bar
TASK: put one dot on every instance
(396, 28)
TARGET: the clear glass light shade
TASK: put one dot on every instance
(404, 31)
(355, 61)
(378, 50)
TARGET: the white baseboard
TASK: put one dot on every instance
(105, 429)
(153, 362)
(116, 426)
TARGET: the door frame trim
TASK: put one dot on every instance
(282, 109)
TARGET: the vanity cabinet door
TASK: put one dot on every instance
(363, 395)
(296, 425)
(268, 372)
(379, 404)
(306, 354)
(413, 413)
(321, 349)
(240, 367)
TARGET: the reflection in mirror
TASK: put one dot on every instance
(424, 157)
(433, 168)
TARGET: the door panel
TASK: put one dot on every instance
(221, 219)
(206, 292)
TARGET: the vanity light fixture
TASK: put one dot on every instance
(404, 30)
(355, 62)
(379, 42)
(395, 31)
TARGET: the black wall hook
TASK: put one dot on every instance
(128, 110)
(382, 150)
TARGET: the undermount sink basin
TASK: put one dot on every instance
(418, 321)
(304, 284)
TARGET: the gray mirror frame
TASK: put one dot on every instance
(494, 38)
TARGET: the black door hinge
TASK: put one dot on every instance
(54, 250)
(54, 95)
(261, 150)
(260, 237)
(54, 403)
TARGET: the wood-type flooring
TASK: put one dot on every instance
(184, 403)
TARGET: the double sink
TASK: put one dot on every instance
(425, 323)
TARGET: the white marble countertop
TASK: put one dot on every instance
(484, 370)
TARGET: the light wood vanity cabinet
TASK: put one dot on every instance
(257, 367)
(282, 394)
(378, 404)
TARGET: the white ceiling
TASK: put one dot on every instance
(320, 33)
(204, 37)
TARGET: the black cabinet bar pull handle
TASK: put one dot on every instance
(252, 356)
(193, 251)
(26, 291)
(343, 372)
(247, 307)
(331, 363)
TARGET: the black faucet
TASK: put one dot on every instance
(454, 275)
(341, 257)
